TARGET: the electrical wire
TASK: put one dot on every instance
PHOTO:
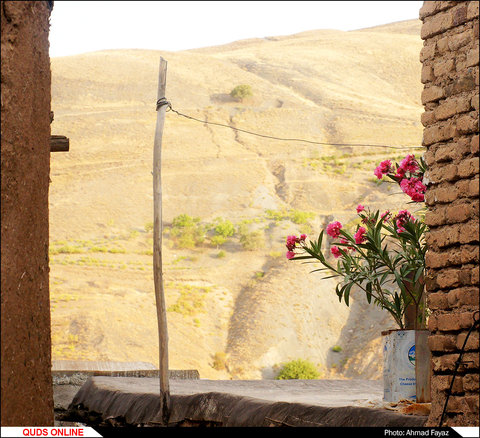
(161, 102)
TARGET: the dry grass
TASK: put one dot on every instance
(328, 86)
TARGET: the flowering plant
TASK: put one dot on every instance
(385, 256)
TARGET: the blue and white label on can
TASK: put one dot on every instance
(411, 355)
(399, 366)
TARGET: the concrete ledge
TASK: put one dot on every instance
(135, 401)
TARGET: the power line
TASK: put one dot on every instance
(163, 101)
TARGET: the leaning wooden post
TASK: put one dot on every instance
(157, 247)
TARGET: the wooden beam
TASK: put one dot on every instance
(157, 249)
(59, 143)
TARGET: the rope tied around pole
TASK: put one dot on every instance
(162, 102)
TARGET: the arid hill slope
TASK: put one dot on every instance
(236, 309)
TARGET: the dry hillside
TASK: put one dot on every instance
(236, 309)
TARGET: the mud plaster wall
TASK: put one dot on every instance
(450, 97)
(26, 381)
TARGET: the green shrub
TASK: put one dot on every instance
(298, 369)
(300, 217)
(337, 348)
(241, 92)
(187, 232)
(224, 228)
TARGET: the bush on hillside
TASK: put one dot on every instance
(241, 92)
(298, 369)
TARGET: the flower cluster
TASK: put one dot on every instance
(384, 168)
(333, 229)
(384, 256)
(401, 219)
(292, 243)
(408, 174)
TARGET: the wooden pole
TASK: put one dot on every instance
(157, 249)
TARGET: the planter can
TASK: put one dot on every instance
(399, 365)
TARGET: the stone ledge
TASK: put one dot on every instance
(282, 403)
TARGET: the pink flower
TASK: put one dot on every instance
(360, 208)
(291, 242)
(417, 197)
(360, 235)
(409, 164)
(414, 188)
(385, 215)
(333, 229)
(402, 218)
(335, 251)
(383, 168)
(400, 173)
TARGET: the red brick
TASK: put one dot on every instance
(472, 10)
(442, 343)
(427, 118)
(467, 188)
(466, 124)
(465, 275)
(470, 382)
(475, 103)
(441, 383)
(432, 94)
(448, 322)
(435, 216)
(474, 144)
(452, 106)
(466, 82)
(460, 14)
(472, 57)
(463, 297)
(430, 8)
(469, 254)
(459, 212)
(446, 362)
(444, 67)
(466, 319)
(469, 232)
(468, 168)
(438, 301)
(457, 405)
(461, 39)
(427, 74)
(472, 342)
(444, 173)
(448, 278)
(432, 319)
(428, 51)
(474, 278)
(433, 25)
(472, 402)
(445, 153)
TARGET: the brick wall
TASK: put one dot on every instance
(450, 97)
